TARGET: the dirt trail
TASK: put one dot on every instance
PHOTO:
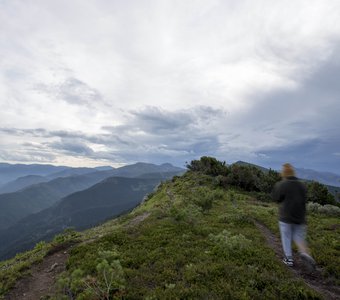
(41, 281)
(134, 222)
(314, 280)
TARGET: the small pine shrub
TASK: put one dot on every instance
(241, 219)
(205, 198)
(205, 203)
(217, 194)
(39, 246)
(229, 242)
(190, 213)
(69, 234)
(108, 281)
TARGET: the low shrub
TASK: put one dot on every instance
(329, 210)
(264, 197)
(190, 213)
(108, 281)
(69, 234)
(229, 242)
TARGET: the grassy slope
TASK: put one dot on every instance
(185, 250)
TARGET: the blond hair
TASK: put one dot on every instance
(287, 170)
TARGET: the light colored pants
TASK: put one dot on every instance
(289, 232)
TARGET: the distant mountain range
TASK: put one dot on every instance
(77, 171)
(14, 177)
(21, 183)
(41, 210)
(322, 177)
(9, 172)
(84, 209)
(17, 205)
(24, 181)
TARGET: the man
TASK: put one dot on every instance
(292, 195)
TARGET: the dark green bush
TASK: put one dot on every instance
(245, 177)
(319, 193)
(209, 166)
(253, 179)
(221, 181)
(268, 181)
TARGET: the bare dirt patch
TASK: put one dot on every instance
(135, 221)
(314, 279)
(41, 281)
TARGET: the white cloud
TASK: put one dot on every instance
(83, 66)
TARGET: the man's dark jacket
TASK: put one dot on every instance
(292, 196)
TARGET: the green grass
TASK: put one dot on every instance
(323, 234)
(198, 242)
(324, 239)
(17, 267)
(13, 269)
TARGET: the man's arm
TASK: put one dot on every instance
(276, 193)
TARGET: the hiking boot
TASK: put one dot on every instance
(308, 262)
(288, 261)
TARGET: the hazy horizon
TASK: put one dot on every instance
(180, 166)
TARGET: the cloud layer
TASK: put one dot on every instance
(113, 82)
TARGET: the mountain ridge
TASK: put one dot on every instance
(192, 238)
(21, 183)
(106, 199)
(9, 172)
(17, 205)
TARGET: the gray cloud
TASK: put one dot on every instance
(71, 90)
(314, 153)
(72, 147)
(27, 156)
(305, 122)
(149, 134)
(37, 132)
(158, 121)
(159, 135)
(76, 87)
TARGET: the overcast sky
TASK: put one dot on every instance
(111, 82)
